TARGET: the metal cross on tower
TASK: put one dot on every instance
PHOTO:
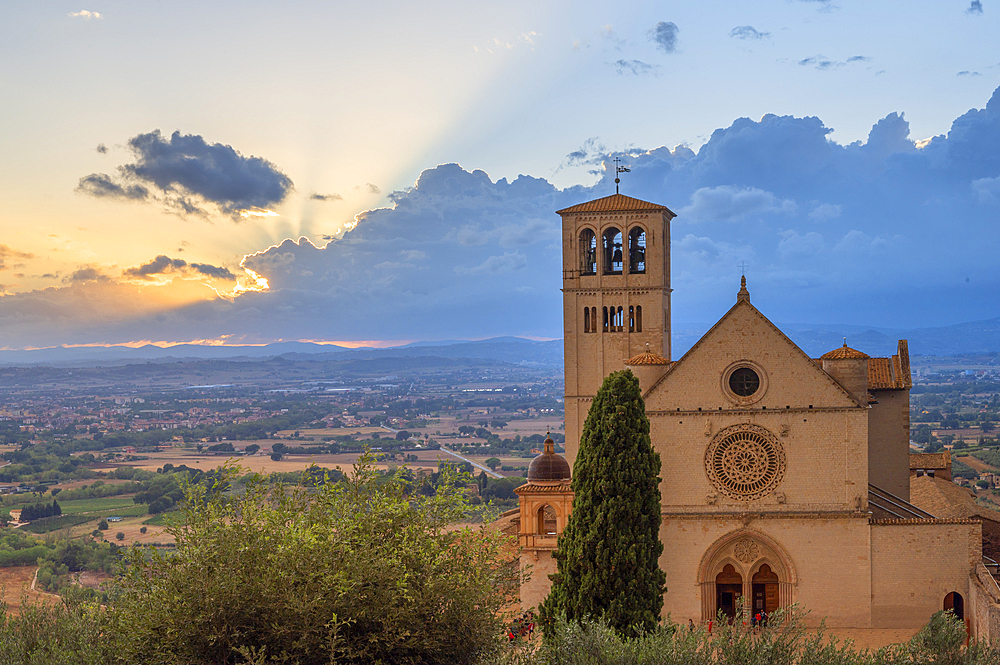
(619, 169)
(743, 265)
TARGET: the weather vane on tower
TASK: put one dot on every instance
(619, 169)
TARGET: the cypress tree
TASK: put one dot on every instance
(608, 554)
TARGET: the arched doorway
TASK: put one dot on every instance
(728, 587)
(765, 590)
(547, 520)
(954, 602)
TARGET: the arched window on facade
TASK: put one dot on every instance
(637, 251)
(631, 318)
(606, 322)
(638, 318)
(619, 320)
(586, 319)
(588, 252)
(612, 255)
(547, 520)
(593, 319)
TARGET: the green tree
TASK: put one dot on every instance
(608, 554)
(284, 574)
(493, 463)
(120, 535)
(103, 524)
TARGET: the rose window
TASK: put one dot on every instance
(745, 462)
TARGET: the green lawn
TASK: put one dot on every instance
(49, 524)
(165, 519)
(110, 504)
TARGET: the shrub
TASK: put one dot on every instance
(284, 574)
(120, 535)
(103, 524)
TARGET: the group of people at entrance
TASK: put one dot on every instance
(524, 627)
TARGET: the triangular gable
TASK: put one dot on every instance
(744, 334)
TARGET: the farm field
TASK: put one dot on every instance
(15, 588)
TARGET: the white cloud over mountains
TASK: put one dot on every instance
(876, 232)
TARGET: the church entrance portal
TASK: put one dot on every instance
(765, 590)
(728, 587)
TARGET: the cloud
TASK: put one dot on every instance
(86, 274)
(633, 67)
(732, 204)
(968, 73)
(7, 252)
(987, 189)
(821, 62)
(186, 172)
(87, 15)
(162, 265)
(825, 211)
(833, 232)
(748, 32)
(101, 148)
(102, 185)
(507, 262)
(664, 34)
(975, 7)
(326, 197)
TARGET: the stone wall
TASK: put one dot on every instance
(916, 563)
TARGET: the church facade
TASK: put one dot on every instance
(784, 479)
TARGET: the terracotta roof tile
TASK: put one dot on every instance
(615, 203)
(881, 375)
(931, 460)
(945, 498)
(844, 353)
(647, 358)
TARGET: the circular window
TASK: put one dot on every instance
(744, 382)
(745, 462)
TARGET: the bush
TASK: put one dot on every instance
(284, 574)
(143, 530)
(103, 524)
(120, 535)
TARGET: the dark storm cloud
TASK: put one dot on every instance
(326, 197)
(102, 185)
(748, 32)
(187, 172)
(164, 264)
(633, 67)
(664, 34)
(975, 7)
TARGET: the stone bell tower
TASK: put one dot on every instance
(616, 294)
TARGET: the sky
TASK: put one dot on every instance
(386, 172)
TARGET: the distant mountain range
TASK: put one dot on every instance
(817, 339)
(962, 338)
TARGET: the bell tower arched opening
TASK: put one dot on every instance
(612, 258)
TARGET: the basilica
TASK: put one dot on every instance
(785, 479)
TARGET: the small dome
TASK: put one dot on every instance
(647, 357)
(844, 353)
(548, 466)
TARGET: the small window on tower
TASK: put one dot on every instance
(586, 319)
(588, 252)
(606, 322)
(637, 251)
(638, 318)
